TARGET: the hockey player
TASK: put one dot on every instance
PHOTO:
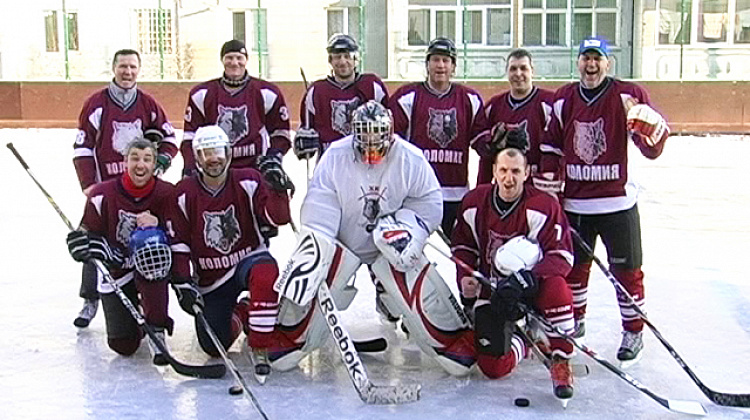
(520, 107)
(373, 200)
(251, 111)
(217, 226)
(110, 119)
(498, 225)
(326, 108)
(443, 119)
(593, 122)
(114, 210)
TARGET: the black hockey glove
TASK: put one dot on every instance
(154, 135)
(163, 162)
(78, 245)
(502, 138)
(306, 143)
(270, 167)
(518, 286)
(99, 249)
(188, 295)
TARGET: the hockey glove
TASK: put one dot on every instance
(99, 249)
(78, 245)
(163, 162)
(517, 286)
(306, 143)
(154, 135)
(270, 167)
(188, 295)
(645, 121)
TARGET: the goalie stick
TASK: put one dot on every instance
(368, 392)
(227, 361)
(197, 371)
(719, 398)
(679, 406)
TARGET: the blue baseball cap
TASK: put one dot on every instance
(594, 44)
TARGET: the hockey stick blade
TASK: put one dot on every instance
(371, 346)
(368, 392)
(719, 398)
(197, 371)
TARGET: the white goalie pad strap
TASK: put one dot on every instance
(307, 267)
(401, 237)
(517, 254)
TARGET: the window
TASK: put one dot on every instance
(73, 31)
(155, 31)
(674, 22)
(742, 22)
(50, 31)
(344, 21)
(713, 20)
(238, 26)
(545, 21)
(477, 22)
(260, 31)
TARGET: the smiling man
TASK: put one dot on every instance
(110, 119)
(593, 123)
(522, 106)
(250, 110)
(444, 119)
(326, 108)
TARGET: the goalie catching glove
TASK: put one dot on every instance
(306, 143)
(648, 123)
(188, 295)
(270, 166)
(84, 246)
(400, 237)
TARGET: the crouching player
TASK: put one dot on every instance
(502, 222)
(123, 217)
(219, 224)
(373, 199)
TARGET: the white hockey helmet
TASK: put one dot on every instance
(212, 143)
(518, 253)
(372, 127)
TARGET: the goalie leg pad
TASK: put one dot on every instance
(302, 329)
(430, 312)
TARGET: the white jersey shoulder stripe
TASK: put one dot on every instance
(95, 118)
(199, 100)
(97, 202)
(536, 221)
(269, 98)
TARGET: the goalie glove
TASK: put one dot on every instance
(270, 167)
(188, 295)
(306, 143)
(400, 238)
(648, 123)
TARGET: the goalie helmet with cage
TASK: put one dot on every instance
(372, 128)
(150, 251)
(212, 150)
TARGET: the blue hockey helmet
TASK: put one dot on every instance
(151, 253)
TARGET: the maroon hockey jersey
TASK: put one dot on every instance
(111, 212)
(327, 106)
(105, 129)
(528, 114)
(215, 230)
(254, 117)
(593, 138)
(444, 126)
(482, 228)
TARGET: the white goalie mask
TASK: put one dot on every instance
(212, 151)
(372, 127)
(518, 253)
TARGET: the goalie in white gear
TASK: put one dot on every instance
(372, 184)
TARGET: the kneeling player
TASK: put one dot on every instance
(220, 225)
(491, 219)
(373, 199)
(114, 209)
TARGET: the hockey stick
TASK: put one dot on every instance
(205, 371)
(679, 406)
(368, 392)
(579, 370)
(307, 121)
(228, 362)
(720, 398)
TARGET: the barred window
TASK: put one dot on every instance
(545, 21)
(155, 29)
(50, 31)
(475, 22)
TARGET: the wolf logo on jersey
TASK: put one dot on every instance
(123, 133)
(234, 122)
(341, 115)
(371, 203)
(494, 242)
(125, 226)
(442, 126)
(589, 141)
(221, 229)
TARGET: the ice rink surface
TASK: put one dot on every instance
(696, 234)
